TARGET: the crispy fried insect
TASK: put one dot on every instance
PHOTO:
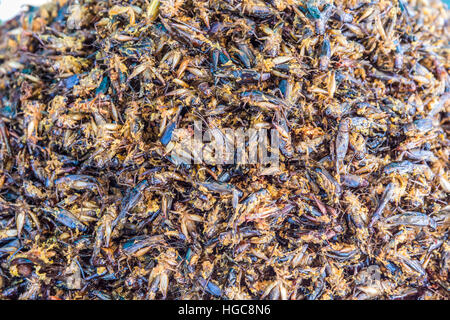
(112, 186)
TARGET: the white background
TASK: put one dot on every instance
(9, 8)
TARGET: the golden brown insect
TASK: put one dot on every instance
(112, 186)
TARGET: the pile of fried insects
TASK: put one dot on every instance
(94, 206)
